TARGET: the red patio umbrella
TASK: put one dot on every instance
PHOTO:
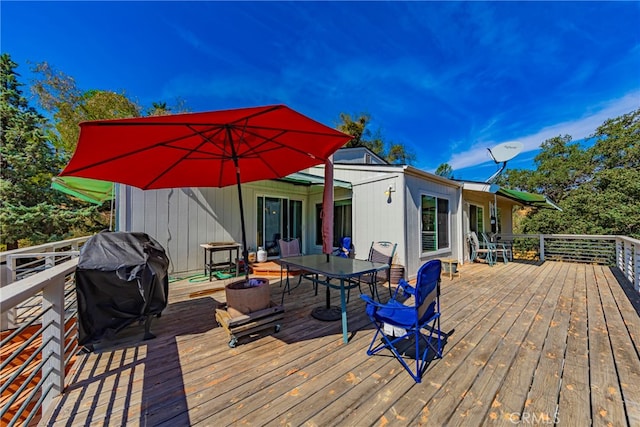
(210, 149)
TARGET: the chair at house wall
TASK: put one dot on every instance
(289, 248)
(399, 323)
(479, 252)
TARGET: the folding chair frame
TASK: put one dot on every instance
(433, 341)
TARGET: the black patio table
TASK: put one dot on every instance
(338, 268)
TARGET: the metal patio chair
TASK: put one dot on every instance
(478, 252)
(288, 248)
(499, 248)
(378, 252)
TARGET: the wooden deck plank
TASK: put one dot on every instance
(542, 400)
(233, 359)
(511, 324)
(485, 338)
(291, 362)
(525, 306)
(606, 400)
(626, 356)
(477, 404)
(574, 406)
(463, 342)
(510, 401)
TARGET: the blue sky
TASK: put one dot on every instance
(446, 79)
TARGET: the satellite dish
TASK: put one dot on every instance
(502, 153)
(505, 151)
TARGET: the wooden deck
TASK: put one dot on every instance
(529, 344)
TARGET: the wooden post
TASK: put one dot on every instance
(53, 336)
(8, 316)
(542, 248)
(636, 269)
(621, 258)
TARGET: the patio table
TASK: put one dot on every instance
(338, 268)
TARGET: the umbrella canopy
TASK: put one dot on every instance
(210, 149)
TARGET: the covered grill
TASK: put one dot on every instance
(121, 278)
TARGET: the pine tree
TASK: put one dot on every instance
(29, 208)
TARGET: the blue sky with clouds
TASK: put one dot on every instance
(447, 79)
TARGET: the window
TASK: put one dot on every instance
(476, 218)
(341, 221)
(435, 223)
(277, 218)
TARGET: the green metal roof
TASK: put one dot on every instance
(530, 199)
(97, 191)
(302, 178)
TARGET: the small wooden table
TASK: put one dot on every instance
(210, 266)
(450, 262)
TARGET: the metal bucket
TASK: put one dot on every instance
(244, 297)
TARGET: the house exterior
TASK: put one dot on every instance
(428, 216)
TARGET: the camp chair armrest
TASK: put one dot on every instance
(406, 287)
(371, 301)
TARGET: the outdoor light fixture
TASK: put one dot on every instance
(387, 193)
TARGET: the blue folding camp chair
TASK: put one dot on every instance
(399, 323)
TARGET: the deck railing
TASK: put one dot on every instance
(615, 251)
(39, 338)
(54, 290)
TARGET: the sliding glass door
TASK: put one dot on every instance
(278, 218)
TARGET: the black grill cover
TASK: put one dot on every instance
(121, 278)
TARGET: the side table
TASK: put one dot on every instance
(451, 262)
(210, 266)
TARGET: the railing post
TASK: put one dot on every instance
(627, 260)
(620, 254)
(636, 269)
(53, 335)
(49, 261)
(542, 248)
(8, 317)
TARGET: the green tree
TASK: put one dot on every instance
(394, 153)
(159, 109)
(29, 208)
(58, 94)
(618, 142)
(163, 109)
(597, 187)
(445, 170)
(561, 166)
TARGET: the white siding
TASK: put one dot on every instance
(398, 220)
(415, 189)
(180, 219)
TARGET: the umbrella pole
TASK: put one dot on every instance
(245, 251)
